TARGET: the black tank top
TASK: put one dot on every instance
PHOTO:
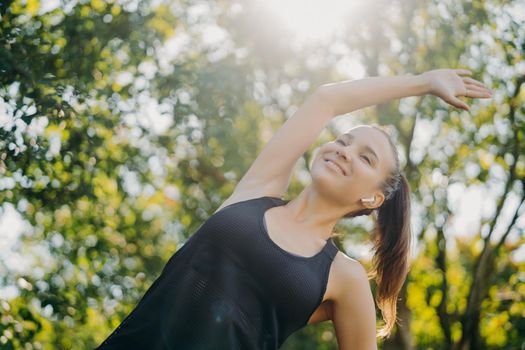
(228, 287)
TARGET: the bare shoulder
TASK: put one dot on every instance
(244, 195)
(348, 269)
(354, 314)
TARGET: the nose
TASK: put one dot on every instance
(343, 153)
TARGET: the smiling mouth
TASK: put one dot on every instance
(334, 163)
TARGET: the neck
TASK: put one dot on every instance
(317, 214)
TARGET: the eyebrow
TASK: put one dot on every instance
(367, 147)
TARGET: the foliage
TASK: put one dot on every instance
(119, 140)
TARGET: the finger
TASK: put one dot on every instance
(471, 92)
(463, 71)
(458, 103)
(474, 82)
(469, 87)
(479, 89)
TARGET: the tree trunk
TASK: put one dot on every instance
(470, 337)
(441, 262)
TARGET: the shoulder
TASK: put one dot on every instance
(241, 196)
(354, 313)
(348, 272)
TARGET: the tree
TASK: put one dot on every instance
(119, 140)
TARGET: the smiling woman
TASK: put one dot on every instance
(261, 267)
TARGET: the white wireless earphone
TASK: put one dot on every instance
(369, 200)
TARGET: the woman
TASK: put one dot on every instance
(260, 267)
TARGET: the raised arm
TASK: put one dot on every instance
(448, 84)
(271, 171)
(351, 95)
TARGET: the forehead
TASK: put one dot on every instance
(376, 140)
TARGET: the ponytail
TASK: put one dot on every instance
(391, 245)
(392, 240)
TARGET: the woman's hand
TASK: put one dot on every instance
(448, 84)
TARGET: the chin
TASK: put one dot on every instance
(327, 183)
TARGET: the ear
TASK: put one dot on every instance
(379, 199)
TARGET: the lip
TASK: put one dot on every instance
(337, 165)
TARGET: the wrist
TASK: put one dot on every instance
(424, 85)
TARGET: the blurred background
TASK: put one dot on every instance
(125, 124)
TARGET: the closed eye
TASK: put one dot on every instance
(367, 159)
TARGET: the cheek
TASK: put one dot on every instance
(363, 176)
(318, 156)
(326, 151)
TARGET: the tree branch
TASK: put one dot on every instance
(514, 219)
(515, 153)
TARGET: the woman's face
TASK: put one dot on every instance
(352, 166)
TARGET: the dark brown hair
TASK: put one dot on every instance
(391, 241)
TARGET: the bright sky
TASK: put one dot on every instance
(312, 20)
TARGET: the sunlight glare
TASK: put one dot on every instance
(310, 20)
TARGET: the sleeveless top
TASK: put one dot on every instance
(230, 286)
